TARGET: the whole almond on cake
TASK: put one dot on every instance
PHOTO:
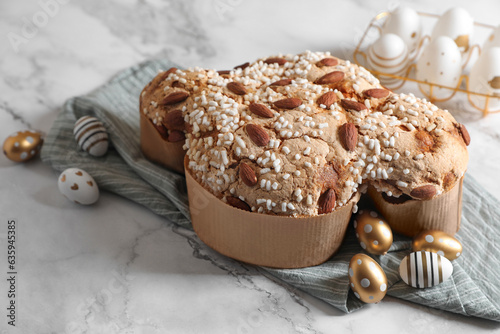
(299, 135)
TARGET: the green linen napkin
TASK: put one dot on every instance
(473, 290)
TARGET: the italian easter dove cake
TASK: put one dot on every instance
(277, 153)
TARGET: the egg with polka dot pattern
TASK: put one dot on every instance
(437, 242)
(367, 279)
(23, 145)
(78, 186)
(441, 64)
(373, 232)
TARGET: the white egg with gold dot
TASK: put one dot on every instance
(484, 78)
(458, 25)
(439, 64)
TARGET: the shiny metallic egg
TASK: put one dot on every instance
(437, 242)
(373, 232)
(367, 279)
(23, 145)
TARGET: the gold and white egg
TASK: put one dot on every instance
(23, 145)
(367, 279)
(91, 135)
(78, 186)
(493, 40)
(484, 78)
(404, 22)
(388, 54)
(440, 63)
(424, 269)
(457, 24)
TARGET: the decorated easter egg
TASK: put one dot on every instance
(373, 232)
(424, 269)
(23, 145)
(440, 63)
(437, 242)
(78, 186)
(367, 279)
(457, 24)
(404, 22)
(388, 54)
(484, 78)
(493, 40)
(91, 135)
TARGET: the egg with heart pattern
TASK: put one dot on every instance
(78, 186)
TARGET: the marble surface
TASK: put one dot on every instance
(116, 267)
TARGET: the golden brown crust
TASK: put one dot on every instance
(285, 118)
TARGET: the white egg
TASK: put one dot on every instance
(457, 24)
(440, 63)
(493, 40)
(404, 22)
(388, 54)
(91, 135)
(78, 186)
(424, 269)
(484, 78)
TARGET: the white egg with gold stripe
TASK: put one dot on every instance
(424, 269)
(91, 135)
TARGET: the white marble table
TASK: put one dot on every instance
(115, 267)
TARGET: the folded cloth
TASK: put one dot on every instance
(473, 289)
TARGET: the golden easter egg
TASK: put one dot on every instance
(367, 279)
(437, 242)
(373, 232)
(23, 145)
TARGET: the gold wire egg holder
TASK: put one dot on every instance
(375, 23)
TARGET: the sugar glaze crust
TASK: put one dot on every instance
(284, 119)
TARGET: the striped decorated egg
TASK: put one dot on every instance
(91, 136)
(424, 269)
